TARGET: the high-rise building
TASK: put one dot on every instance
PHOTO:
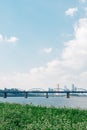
(57, 88)
(73, 87)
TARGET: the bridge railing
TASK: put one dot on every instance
(27, 94)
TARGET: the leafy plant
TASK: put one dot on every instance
(29, 117)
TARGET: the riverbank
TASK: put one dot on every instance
(29, 117)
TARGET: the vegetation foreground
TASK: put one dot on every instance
(29, 117)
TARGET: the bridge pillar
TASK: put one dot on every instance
(26, 95)
(5, 94)
(46, 95)
(68, 95)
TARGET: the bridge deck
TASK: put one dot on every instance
(43, 91)
(26, 94)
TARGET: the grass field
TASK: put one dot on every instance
(29, 117)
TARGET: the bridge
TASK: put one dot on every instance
(36, 93)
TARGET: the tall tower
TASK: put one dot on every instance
(73, 87)
(57, 89)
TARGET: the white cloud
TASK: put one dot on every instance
(83, 1)
(75, 52)
(71, 11)
(1, 38)
(71, 68)
(11, 39)
(47, 50)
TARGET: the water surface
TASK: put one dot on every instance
(74, 102)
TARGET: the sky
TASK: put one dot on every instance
(43, 43)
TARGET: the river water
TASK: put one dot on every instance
(72, 102)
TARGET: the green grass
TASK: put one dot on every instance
(29, 117)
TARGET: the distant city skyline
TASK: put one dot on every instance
(43, 43)
(57, 88)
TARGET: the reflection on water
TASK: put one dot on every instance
(74, 102)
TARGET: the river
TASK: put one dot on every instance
(72, 102)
